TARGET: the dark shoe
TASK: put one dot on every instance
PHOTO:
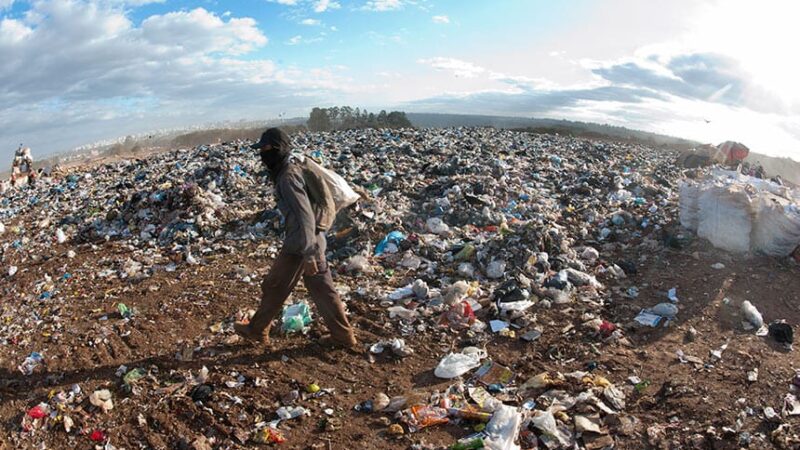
(251, 335)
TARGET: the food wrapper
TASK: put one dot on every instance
(423, 416)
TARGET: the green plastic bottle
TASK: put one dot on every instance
(470, 445)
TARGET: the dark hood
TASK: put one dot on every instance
(281, 145)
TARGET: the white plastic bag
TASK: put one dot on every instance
(503, 429)
(437, 226)
(777, 228)
(545, 422)
(457, 364)
(726, 218)
(343, 195)
(752, 315)
(689, 207)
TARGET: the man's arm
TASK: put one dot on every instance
(304, 240)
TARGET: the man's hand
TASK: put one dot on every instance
(310, 268)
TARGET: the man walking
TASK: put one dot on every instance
(303, 252)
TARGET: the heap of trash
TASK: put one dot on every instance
(496, 280)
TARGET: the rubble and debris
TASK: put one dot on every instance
(510, 290)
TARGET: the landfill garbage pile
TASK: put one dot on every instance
(740, 213)
(510, 291)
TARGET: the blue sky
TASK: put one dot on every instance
(78, 71)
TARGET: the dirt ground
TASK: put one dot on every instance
(84, 340)
(182, 323)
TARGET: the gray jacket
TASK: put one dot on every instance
(295, 205)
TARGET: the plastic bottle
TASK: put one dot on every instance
(290, 412)
(469, 445)
(470, 414)
(30, 363)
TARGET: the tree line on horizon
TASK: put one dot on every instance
(346, 117)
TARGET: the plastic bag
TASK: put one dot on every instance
(457, 364)
(689, 207)
(394, 238)
(437, 226)
(503, 429)
(422, 416)
(665, 310)
(545, 422)
(726, 218)
(402, 313)
(31, 362)
(296, 317)
(459, 316)
(752, 315)
(777, 228)
(343, 195)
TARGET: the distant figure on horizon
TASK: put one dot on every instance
(22, 164)
(760, 173)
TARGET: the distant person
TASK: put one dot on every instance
(760, 172)
(302, 254)
(745, 168)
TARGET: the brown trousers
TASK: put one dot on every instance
(282, 278)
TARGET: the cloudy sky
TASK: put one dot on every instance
(77, 71)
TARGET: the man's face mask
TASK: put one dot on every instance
(270, 157)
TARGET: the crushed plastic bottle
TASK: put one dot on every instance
(291, 412)
(31, 363)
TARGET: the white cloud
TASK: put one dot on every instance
(310, 22)
(317, 6)
(299, 39)
(324, 5)
(458, 67)
(5, 4)
(74, 72)
(523, 83)
(203, 31)
(762, 51)
(441, 19)
(138, 2)
(333, 28)
(383, 5)
(13, 31)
